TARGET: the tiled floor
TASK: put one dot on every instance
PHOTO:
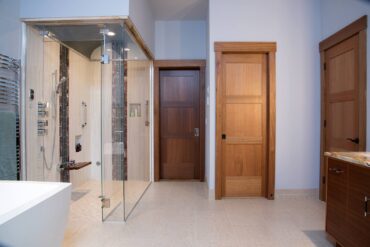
(180, 214)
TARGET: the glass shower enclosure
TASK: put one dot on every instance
(88, 110)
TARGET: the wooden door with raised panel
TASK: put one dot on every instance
(179, 124)
(244, 91)
(342, 96)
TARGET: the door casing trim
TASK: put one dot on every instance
(357, 27)
(269, 49)
(179, 64)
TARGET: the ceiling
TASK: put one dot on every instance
(86, 38)
(179, 9)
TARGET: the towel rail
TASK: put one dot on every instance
(10, 96)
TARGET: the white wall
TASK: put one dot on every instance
(10, 28)
(294, 25)
(180, 39)
(337, 14)
(143, 19)
(72, 8)
(80, 86)
(138, 79)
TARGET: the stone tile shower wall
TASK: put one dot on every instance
(64, 113)
(119, 113)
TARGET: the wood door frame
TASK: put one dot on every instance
(179, 64)
(357, 27)
(269, 49)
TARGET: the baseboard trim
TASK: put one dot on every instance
(294, 193)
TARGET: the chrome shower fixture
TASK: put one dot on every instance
(47, 34)
(42, 123)
(62, 80)
(105, 56)
(42, 109)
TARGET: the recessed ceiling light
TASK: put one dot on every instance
(110, 33)
(127, 49)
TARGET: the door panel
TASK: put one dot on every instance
(342, 76)
(243, 120)
(179, 121)
(179, 117)
(342, 107)
(244, 125)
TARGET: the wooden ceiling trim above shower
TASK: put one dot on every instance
(139, 39)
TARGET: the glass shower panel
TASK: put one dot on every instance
(137, 164)
(112, 122)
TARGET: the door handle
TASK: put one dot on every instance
(366, 206)
(147, 123)
(356, 140)
(196, 132)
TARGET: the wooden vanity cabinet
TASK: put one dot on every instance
(348, 203)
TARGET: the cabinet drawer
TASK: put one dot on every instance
(337, 183)
(336, 199)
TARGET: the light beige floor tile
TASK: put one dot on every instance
(179, 214)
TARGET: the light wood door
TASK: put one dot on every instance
(342, 96)
(243, 124)
(179, 124)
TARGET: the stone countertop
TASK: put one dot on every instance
(360, 158)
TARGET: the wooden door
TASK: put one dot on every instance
(243, 124)
(342, 101)
(343, 93)
(179, 124)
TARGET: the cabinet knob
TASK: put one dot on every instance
(336, 170)
(366, 206)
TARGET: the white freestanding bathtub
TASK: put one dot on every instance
(33, 214)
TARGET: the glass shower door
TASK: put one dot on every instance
(112, 123)
(125, 122)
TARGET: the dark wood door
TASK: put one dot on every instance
(343, 93)
(244, 101)
(179, 124)
(342, 101)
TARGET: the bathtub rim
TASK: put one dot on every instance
(58, 187)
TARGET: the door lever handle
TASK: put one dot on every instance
(366, 213)
(355, 140)
(196, 132)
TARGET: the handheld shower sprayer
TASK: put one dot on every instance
(58, 88)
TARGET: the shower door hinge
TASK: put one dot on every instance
(105, 202)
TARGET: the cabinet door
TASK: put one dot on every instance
(358, 224)
(336, 200)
